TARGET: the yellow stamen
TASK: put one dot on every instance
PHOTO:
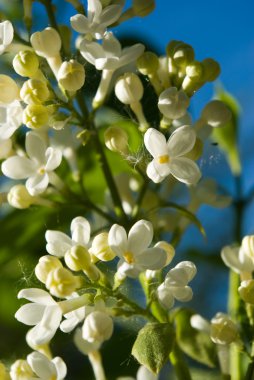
(163, 159)
(41, 171)
(129, 257)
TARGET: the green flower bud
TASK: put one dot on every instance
(35, 116)
(101, 249)
(71, 75)
(142, 8)
(148, 63)
(223, 329)
(26, 63)
(216, 114)
(62, 283)
(246, 291)
(129, 88)
(116, 139)
(211, 70)
(195, 70)
(45, 265)
(19, 197)
(9, 90)
(183, 55)
(34, 91)
(78, 258)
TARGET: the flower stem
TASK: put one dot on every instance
(180, 367)
(96, 362)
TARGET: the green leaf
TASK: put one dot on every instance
(153, 345)
(227, 135)
(194, 343)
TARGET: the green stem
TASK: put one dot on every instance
(181, 368)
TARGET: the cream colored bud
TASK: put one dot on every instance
(21, 370)
(142, 8)
(9, 90)
(172, 103)
(4, 375)
(223, 329)
(98, 327)
(26, 63)
(211, 69)
(34, 91)
(183, 55)
(62, 283)
(45, 265)
(216, 114)
(116, 139)
(246, 291)
(19, 197)
(71, 75)
(148, 63)
(101, 249)
(129, 88)
(78, 258)
(35, 116)
(196, 152)
(46, 43)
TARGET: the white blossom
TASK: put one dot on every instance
(97, 19)
(37, 168)
(234, 258)
(133, 251)
(46, 369)
(6, 35)
(10, 118)
(175, 285)
(169, 155)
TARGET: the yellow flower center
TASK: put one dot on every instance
(41, 170)
(129, 257)
(163, 159)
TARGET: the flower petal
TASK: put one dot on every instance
(6, 33)
(80, 230)
(80, 23)
(111, 46)
(30, 314)
(130, 54)
(53, 157)
(183, 294)
(58, 243)
(18, 167)
(110, 14)
(37, 184)
(165, 296)
(155, 143)
(152, 258)
(231, 257)
(91, 51)
(60, 366)
(189, 267)
(181, 141)
(36, 295)
(153, 174)
(140, 236)
(41, 365)
(185, 170)
(35, 147)
(117, 240)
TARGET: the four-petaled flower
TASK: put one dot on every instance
(37, 168)
(135, 256)
(169, 156)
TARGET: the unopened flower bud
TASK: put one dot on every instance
(129, 88)
(35, 116)
(183, 54)
(77, 258)
(45, 265)
(19, 197)
(116, 139)
(196, 152)
(34, 91)
(216, 114)
(195, 70)
(142, 8)
(98, 327)
(71, 75)
(211, 69)
(46, 43)
(223, 329)
(9, 90)
(172, 103)
(246, 291)
(26, 63)
(148, 63)
(61, 282)
(21, 370)
(101, 249)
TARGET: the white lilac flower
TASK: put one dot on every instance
(235, 259)
(43, 313)
(169, 155)
(135, 256)
(175, 285)
(108, 56)
(97, 19)
(6, 35)
(46, 369)
(10, 119)
(37, 168)
(58, 243)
